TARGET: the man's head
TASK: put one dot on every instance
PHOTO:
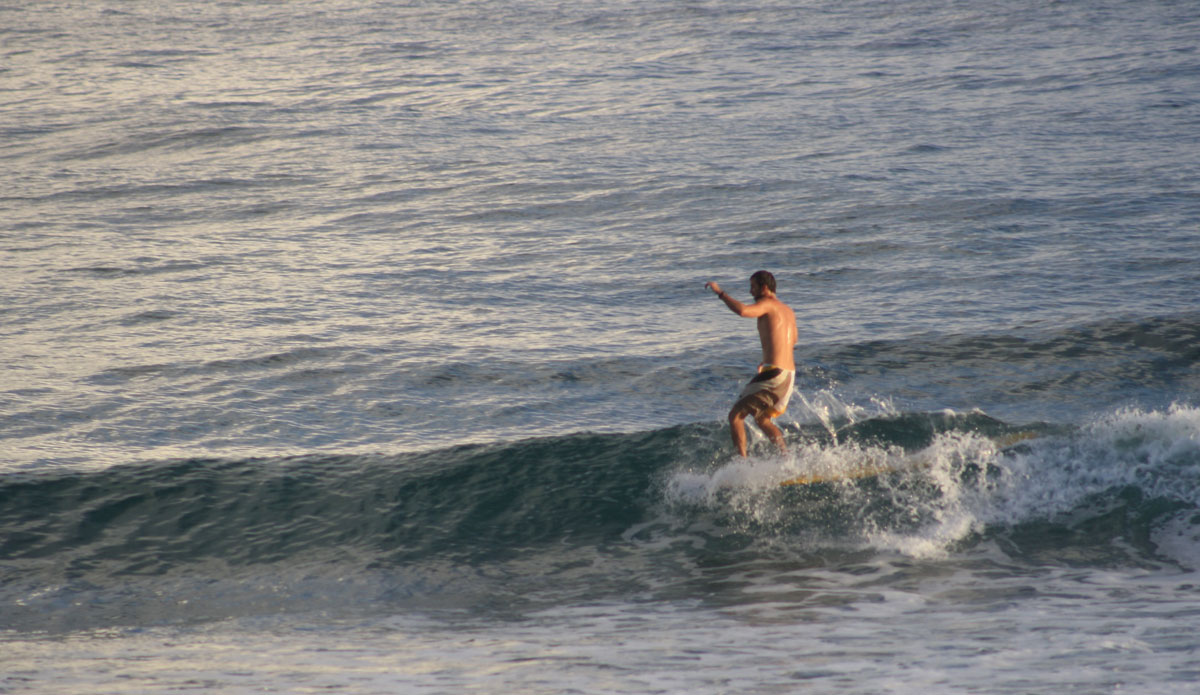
(762, 280)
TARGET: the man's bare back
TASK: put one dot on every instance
(767, 395)
(777, 331)
(776, 323)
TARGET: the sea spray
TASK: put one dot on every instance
(933, 482)
(864, 494)
(967, 472)
(832, 411)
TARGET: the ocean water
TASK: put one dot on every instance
(364, 347)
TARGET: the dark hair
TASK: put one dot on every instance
(765, 279)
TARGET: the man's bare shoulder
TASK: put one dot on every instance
(786, 308)
(775, 305)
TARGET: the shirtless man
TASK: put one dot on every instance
(767, 394)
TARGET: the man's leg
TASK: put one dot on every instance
(737, 429)
(773, 433)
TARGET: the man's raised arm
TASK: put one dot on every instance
(746, 310)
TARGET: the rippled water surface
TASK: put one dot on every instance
(365, 346)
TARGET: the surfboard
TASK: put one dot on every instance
(870, 469)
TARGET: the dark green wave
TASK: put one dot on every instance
(468, 504)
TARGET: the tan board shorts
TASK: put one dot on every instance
(768, 392)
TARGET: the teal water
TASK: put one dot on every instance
(649, 504)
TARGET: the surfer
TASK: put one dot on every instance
(767, 394)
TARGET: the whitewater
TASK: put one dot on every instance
(365, 347)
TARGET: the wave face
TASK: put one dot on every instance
(468, 504)
(585, 516)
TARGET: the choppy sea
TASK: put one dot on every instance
(363, 346)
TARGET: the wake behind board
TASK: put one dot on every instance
(870, 469)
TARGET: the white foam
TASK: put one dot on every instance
(956, 511)
(975, 482)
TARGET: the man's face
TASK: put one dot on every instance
(755, 289)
